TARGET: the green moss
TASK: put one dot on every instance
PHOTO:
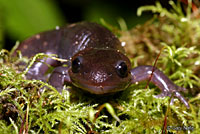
(24, 107)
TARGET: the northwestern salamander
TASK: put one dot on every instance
(96, 61)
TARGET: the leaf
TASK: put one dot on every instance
(23, 18)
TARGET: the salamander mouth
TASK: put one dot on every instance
(100, 89)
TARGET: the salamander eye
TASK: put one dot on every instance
(122, 69)
(76, 65)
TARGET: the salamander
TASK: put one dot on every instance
(96, 61)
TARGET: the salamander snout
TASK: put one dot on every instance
(100, 71)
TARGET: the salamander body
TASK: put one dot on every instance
(96, 61)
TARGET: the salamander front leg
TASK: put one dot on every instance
(59, 77)
(158, 78)
(38, 69)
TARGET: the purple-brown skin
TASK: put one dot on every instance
(97, 63)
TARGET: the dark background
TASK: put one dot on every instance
(20, 19)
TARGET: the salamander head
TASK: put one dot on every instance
(100, 71)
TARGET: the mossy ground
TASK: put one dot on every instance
(25, 108)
